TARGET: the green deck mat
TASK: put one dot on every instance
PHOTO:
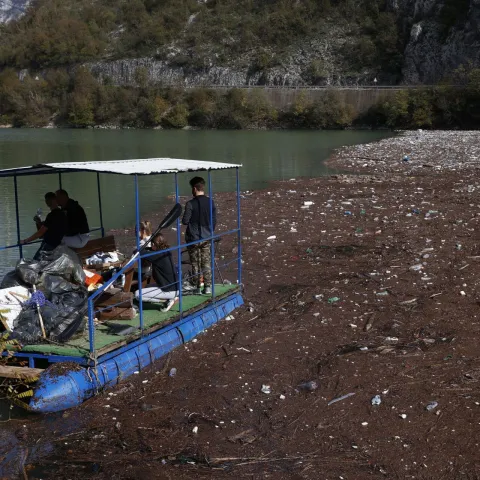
(152, 316)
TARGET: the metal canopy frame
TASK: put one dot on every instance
(117, 168)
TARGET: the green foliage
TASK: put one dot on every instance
(177, 117)
(316, 72)
(259, 110)
(76, 98)
(63, 32)
(328, 111)
(445, 106)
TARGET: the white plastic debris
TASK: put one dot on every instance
(307, 204)
(195, 430)
(391, 339)
(273, 237)
(266, 389)
(403, 415)
(282, 397)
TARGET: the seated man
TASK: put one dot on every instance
(52, 230)
(164, 275)
(77, 235)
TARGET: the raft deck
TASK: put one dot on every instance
(153, 318)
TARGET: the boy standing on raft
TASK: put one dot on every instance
(199, 227)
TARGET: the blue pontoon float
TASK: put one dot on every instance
(99, 360)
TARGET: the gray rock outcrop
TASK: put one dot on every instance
(12, 9)
(434, 48)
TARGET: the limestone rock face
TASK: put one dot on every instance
(436, 43)
(12, 9)
(434, 49)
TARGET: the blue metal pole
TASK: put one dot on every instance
(212, 244)
(139, 270)
(91, 328)
(100, 204)
(239, 246)
(179, 252)
(19, 238)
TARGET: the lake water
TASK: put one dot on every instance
(265, 156)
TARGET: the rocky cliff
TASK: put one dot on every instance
(292, 70)
(441, 36)
(12, 9)
(434, 38)
(438, 36)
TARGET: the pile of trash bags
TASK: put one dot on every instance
(60, 296)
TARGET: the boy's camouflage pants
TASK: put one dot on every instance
(201, 260)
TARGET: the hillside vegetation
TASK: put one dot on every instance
(57, 33)
(56, 38)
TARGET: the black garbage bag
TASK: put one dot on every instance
(55, 284)
(61, 295)
(26, 327)
(61, 262)
(11, 279)
(64, 262)
(29, 271)
(71, 314)
(63, 315)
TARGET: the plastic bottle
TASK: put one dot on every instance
(38, 216)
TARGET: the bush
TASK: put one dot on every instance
(79, 100)
(177, 117)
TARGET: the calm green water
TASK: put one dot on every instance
(265, 156)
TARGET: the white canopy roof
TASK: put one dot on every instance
(146, 166)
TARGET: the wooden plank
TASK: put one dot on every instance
(24, 373)
(105, 244)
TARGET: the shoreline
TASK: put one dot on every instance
(194, 128)
(429, 151)
(371, 290)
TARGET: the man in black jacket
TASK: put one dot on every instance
(200, 227)
(78, 230)
(52, 230)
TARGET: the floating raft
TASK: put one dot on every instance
(73, 377)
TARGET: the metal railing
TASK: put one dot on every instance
(303, 87)
(180, 280)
